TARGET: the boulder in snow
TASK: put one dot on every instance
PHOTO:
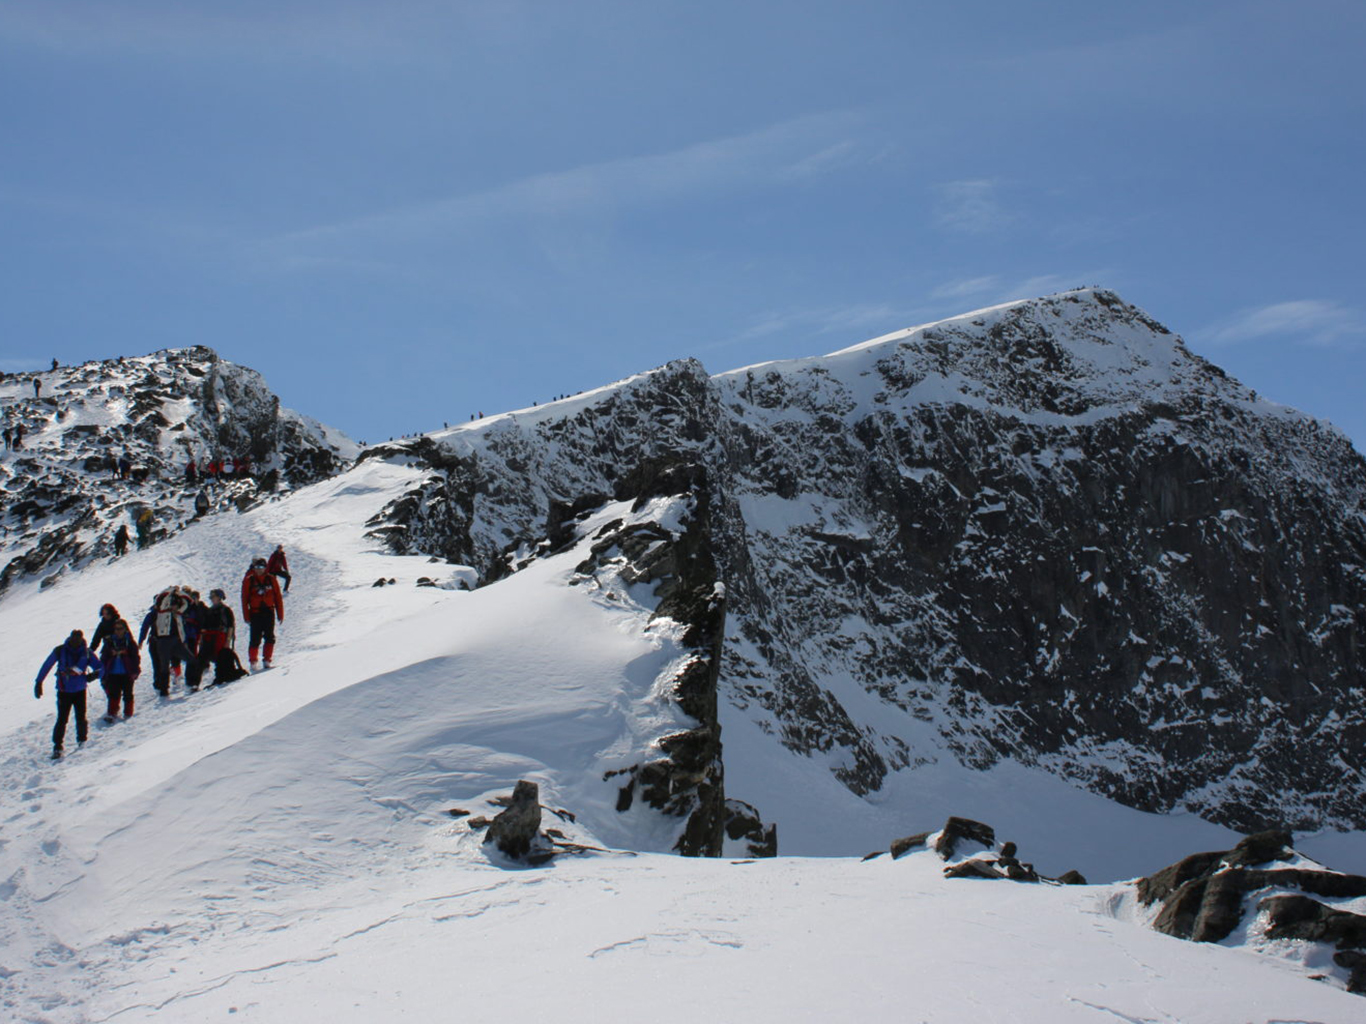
(515, 828)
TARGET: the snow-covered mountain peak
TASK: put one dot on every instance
(1082, 353)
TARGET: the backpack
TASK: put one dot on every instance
(170, 608)
(227, 667)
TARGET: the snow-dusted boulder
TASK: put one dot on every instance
(1264, 895)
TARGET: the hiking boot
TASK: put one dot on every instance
(110, 719)
(56, 753)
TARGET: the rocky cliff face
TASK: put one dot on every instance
(61, 501)
(1044, 532)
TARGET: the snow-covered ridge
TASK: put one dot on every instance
(1043, 532)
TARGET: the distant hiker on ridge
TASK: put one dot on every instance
(262, 604)
(121, 541)
(279, 565)
(76, 666)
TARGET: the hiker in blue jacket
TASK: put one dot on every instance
(76, 666)
(120, 666)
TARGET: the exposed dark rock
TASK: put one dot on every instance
(958, 830)
(1299, 917)
(515, 828)
(973, 868)
(1015, 870)
(1072, 877)
(1205, 897)
(743, 822)
(457, 812)
(901, 847)
(1354, 962)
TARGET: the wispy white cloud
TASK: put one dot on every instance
(965, 287)
(1303, 321)
(799, 148)
(857, 317)
(971, 206)
(828, 160)
(993, 288)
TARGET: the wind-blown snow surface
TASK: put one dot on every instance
(281, 849)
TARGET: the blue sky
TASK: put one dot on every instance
(403, 213)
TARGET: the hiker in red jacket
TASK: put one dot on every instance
(262, 605)
(278, 565)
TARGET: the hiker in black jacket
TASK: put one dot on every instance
(105, 628)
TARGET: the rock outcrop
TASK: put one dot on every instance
(61, 499)
(519, 824)
(1264, 885)
(980, 858)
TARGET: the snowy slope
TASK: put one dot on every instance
(282, 847)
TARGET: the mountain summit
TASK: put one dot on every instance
(1044, 532)
(63, 501)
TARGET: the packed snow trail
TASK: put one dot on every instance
(331, 766)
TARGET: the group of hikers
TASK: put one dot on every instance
(216, 469)
(184, 637)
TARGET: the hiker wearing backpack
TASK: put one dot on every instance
(218, 639)
(193, 621)
(76, 666)
(120, 666)
(168, 638)
(278, 565)
(220, 626)
(262, 605)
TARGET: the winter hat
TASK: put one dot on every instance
(218, 593)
